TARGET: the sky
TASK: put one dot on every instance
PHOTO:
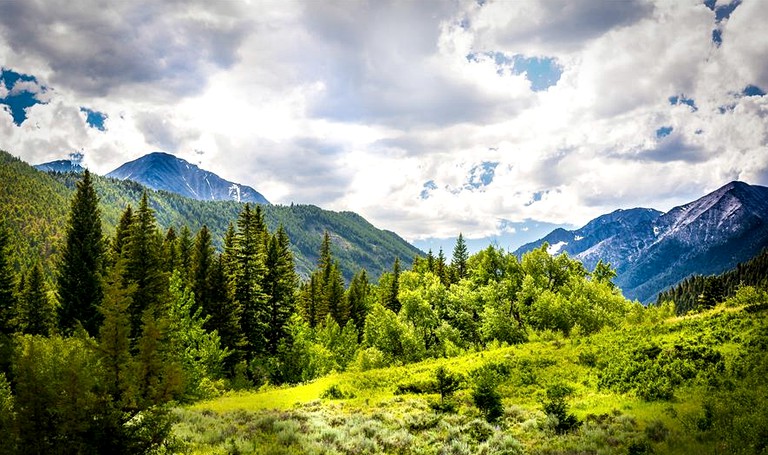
(496, 119)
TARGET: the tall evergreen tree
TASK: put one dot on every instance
(280, 288)
(184, 248)
(357, 301)
(8, 303)
(144, 266)
(224, 314)
(312, 300)
(334, 295)
(171, 250)
(441, 270)
(80, 286)
(391, 299)
(202, 261)
(37, 314)
(459, 260)
(122, 234)
(248, 278)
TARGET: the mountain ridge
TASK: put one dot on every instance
(164, 171)
(652, 251)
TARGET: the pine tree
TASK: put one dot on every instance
(8, 302)
(312, 300)
(184, 247)
(224, 314)
(459, 261)
(37, 315)
(114, 337)
(441, 270)
(144, 266)
(357, 301)
(248, 277)
(391, 299)
(122, 234)
(280, 287)
(202, 261)
(171, 250)
(334, 295)
(80, 286)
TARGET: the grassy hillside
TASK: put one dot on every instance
(664, 385)
(36, 204)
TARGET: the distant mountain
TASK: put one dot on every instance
(163, 171)
(60, 166)
(35, 206)
(652, 251)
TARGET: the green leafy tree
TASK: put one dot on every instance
(198, 351)
(7, 417)
(80, 287)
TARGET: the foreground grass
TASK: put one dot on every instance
(374, 419)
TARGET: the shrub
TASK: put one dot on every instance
(557, 407)
(487, 398)
(335, 392)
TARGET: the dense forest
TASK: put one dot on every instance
(138, 321)
(705, 291)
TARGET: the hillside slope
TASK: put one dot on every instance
(36, 205)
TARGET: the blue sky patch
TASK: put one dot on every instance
(682, 99)
(94, 119)
(481, 175)
(664, 131)
(429, 186)
(724, 11)
(541, 72)
(18, 100)
(536, 197)
(717, 37)
(753, 90)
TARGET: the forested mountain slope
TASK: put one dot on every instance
(35, 204)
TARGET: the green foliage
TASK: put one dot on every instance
(8, 301)
(7, 417)
(459, 260)
(556, 407)
(198, 351)
(36, 314)
(486, 397)
(447, 383)
(80, 270)
(698, 292)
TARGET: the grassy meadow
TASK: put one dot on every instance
(662, 386)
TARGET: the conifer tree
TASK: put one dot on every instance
(114, 337)
(248, 277)
(280, 287)
(37, 313)
(459, 261)
(8, 302)
(122, 234)
(80, 286)
(144, 266)
(171, 250)
(391, 299)
(357, 301)
(202, 261)
(334, 295)
(312, 299)
(184, 248)
(224, 314)
(441, 270)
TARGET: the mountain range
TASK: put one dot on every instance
(652, 251)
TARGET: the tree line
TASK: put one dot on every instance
(144, 318)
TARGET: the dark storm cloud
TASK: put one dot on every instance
(96, 47)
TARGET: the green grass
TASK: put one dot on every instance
(374, 419)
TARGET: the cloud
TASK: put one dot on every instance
(99, 49)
